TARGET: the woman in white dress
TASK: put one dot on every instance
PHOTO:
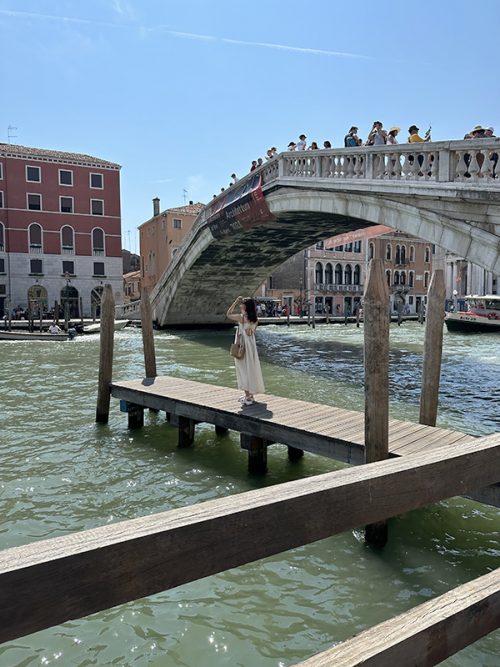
(248, 372)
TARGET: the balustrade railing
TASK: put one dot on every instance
(330, 287)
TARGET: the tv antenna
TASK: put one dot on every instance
(184, 195)
(10, 134)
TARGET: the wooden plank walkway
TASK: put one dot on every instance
(303, 426)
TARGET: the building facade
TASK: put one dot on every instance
(161, 236)
(60, 230)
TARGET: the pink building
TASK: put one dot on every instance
(60, 229)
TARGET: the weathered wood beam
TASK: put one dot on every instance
(427, 634)
(52, 581)
(105, 354)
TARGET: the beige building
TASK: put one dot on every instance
(161, 236)
(131, 286)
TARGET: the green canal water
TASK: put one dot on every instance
(60, 473)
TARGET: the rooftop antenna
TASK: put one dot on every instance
(184, 194)
(10, 134)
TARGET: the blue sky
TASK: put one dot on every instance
(182, 93)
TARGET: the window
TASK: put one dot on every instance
(2, 265)
(371, 251)
(68, 267)
(65, 177)
(96, 181)
(396, 277)
(1, 171)
(397, 259)
(328, 274)
(2, 237)
(67, 240)
(97, 207)
(66, 204)
(339, 248)
(97, 242)
(403, 254)
(427, 257)
(348, 275)
(319, 273)
(177, 223)
(99, 269)
(411, 278)
(35, 238)
(388, 277)
(320, 245)
(33, 174)
(348, 247)
(412, 253)
(338, 274)
(34, 202)
(357, 246)
(36, 266)
(3, 290)
(1, 199)
(357, 274)
(388, 251)
(426, 279)
(403, 278)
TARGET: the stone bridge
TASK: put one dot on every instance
(447, 193)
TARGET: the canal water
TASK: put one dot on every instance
(60, 473)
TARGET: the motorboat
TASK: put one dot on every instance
(482, 315)
(96, 328)
(33, 335)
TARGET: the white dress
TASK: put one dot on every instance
(248, 372)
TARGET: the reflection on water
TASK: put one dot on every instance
(61, 473)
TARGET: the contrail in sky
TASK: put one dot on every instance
(182, 35)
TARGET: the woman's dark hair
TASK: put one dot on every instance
(250, 309)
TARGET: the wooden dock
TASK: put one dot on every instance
(319, 429)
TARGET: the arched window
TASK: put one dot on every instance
(398, 254)
(388, 277)
(411, 278)
(2, 237)
(396, 277)
(69, 301)
(403, 254)
(388, 251)
(35, 238)
(427, 256)
(412, 253)
(319, 273)
(97, 242)
(328, 274)
(67, 240)
(357, 274)
(338, 274)
(402, 278)
(348, 274)
(426, 279)
(37, 300)
(371, 251)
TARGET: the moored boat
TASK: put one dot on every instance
(33, 335)
(96, 328)
(482, 315)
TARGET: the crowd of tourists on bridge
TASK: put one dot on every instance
(377, 136)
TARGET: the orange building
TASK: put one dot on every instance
(160, 238)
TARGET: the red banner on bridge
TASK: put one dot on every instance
(242, 208)
(349, 237)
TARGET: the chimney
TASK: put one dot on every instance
(156, 206)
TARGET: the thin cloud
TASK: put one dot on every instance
(53, 17)
(297, 49)
(191, 35)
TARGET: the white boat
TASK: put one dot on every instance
(96, 328)
(33, 335)
(482, 315)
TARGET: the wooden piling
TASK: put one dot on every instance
(66, 316)
(295, 454)
(40, 313)
(288, 317)
(81, 310)
(105, 354)
(433, 349)
(257, 453)
(56, 312)
(186, 432)
(221, 430)
(148, 343)
(358, 312)
(376, 360)
(135, 416)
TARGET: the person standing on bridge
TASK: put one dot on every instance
(248, 371)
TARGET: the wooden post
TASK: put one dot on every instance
(314, 316)
(148, 343)
(105, 354)
(358, 310)
(9, 317)
(295, 454)
(376, 359)
(308, 314)
(186, 431)
(221, 430)
(40, 314)
(66, 315)
(288, 317)
(56, 312)
(433, 349)
(257, 453)
(80, 303)
(135, 416)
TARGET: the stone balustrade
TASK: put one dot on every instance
(468, 161)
